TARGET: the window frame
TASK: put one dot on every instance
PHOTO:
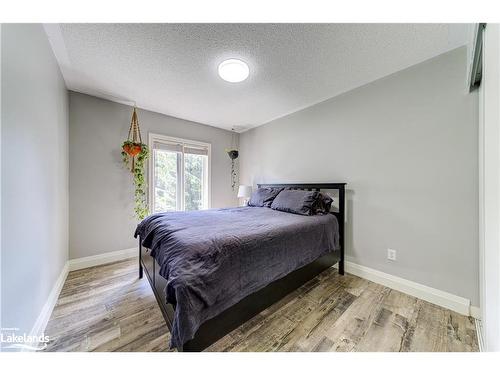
(154, 137)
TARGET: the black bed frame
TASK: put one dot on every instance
(217, 327)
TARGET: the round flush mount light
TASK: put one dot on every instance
(233, 70)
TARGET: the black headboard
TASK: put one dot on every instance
(340, 186)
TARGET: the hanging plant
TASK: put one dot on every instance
(135, 153)
(233, 155)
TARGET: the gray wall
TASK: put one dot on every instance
(101, 189)
(407, 145)
(34, 174)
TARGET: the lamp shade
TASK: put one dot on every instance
(244, 191)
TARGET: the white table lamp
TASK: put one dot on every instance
(245, 192)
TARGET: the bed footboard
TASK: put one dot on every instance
(141, 271)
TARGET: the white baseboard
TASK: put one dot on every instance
(44, 316)
(100, 259)
(475, 312)
(480, 335)
(438, 297)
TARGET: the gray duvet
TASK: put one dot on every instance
(214, 258)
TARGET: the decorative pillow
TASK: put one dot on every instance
(263, 197)
(296, 201)
(323, 204)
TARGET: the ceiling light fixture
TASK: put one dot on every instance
(233, 70)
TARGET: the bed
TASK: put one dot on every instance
(224, 266)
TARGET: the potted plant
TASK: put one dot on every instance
(131, 148)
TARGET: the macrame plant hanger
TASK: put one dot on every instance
(134, 136)
(135, 152)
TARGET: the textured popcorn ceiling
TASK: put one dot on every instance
(172, 68)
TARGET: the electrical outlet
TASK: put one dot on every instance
(391, 254)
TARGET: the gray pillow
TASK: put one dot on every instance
(263, 197)
(323, 204)
(296, 201)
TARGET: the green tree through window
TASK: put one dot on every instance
(165, 184)
(193, 179)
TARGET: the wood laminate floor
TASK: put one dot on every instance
(107, 308)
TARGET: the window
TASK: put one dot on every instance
(179, 174)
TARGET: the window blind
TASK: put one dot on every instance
(178, 147)
(165, 146)
(196, 150)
